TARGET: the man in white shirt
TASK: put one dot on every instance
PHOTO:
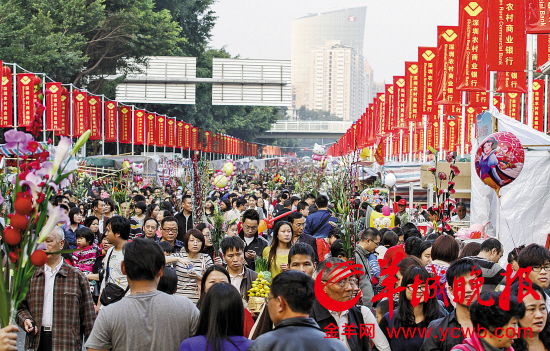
(235, 214)
(461, 215)
(58, 296)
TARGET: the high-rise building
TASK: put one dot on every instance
(312, 33)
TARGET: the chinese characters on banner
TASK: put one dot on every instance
(53, 102)
(170, 132)
(480, 99)
(187, 135)
(125, 124)
(150, 126)
(6, 111)
(111, 134)
(445, 79)
(194, 138)
(538, 105)
(506, 51)
(435, 137)
(139, 127)
(511, 82)
(512, 105)
(537, 20)
(180, 134)
(399, 100)
(94, 104)
(470, 118)
(497, 102)
(452, 133)
(426, 94)
(472, 48)
(25, 99)
(161, 123)
(382, 118)
(389, 113)
(80, 113)
(65, 104)
(411, 92)
(208, 136)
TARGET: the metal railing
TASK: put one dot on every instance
(310, 126)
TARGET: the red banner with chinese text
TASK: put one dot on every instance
(139, 127)
(411, 92)
(94, 112)
(507, 38)
(65, 108)
(537, 19)
(479, 99)
(435, 135)
(472, 46)
(194, 138)
(382, 119)
(497, 102)
(511, 82)
(379, 150)
(538, 106)
(389, 113)
(452, 133)
(399, 99)
(471, 114)
(150, 126)
(446, 67)
(161, 130)
(180, 134)
(81, 122)
(512, 105)
(125, 124)
(25, 99)
(543, 50)
(427, 58)
(170, 132)
(6, 100)
(53, 110)
(111, 132)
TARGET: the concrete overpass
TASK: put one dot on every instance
(307, 130)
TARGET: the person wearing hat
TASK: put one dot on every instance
(402, 214)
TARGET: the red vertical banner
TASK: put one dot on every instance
(150, 126)
(382, 119)
(470, 118)
(511, 82)
(170, 132)
(209, 145)
(411, 92)
(139, 127)
(65, 114)
(480, 99)
(406, 144)
(452, 133)
(436, 133)
(497, 102)
(507, 38)
(426, 95)
(125, 124)
(180, 134)
(6, 97)
(446, 68)
(194, 138)
(187, 135)
(161, 131)
(80, 113)
(543, 50)
(111, 132)
(512, 105)
(399, 91)
(538, 105)
(472, 46)
(389, 113)
(94, 109)
(53, 110)
(25, 99)
(537, 19)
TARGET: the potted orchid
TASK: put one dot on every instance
(37, 179)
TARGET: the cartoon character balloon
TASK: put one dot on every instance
(379, 220)
(319, 152)
(499, 160)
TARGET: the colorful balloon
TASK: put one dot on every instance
(228, 168)
(220, 181)
(262, 227)
(499, 160)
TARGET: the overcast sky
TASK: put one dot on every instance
(261, 29)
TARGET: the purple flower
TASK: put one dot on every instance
(16, 139)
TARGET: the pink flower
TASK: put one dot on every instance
(16, 139)
(452, 191)
(442, 175)
(451, 184)
(432, 169)
(450, 157)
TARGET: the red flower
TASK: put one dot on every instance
(450, 157)
(447, 227)
(451, 184)
(13, 257)
(442, 175)
(452, 191)
(432, 169)
(32, 146)
(49, 141)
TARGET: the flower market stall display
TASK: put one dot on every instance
(34, 216)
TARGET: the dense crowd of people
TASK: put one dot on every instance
(145, 274)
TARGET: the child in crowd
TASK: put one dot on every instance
(232, 229)
(87, 252)
(382, 308)
(168, 250)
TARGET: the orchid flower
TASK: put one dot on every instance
(55, 216)
(33, 181)
(17, 140)
(60, 153)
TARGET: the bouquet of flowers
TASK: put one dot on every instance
(37, 180)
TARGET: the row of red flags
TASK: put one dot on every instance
(491, 36)
(90, 112)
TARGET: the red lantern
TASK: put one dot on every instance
(64, 91)
(6, 71)
(37, 80)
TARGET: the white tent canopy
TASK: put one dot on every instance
(524, 203)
